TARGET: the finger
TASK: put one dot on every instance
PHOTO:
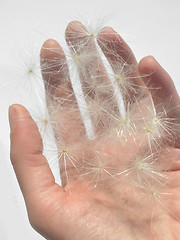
(66, 119)
(32, 170)
(61, 101)
(87, 60)
(83, 51)
(96, 86)
(54, 69)
(114, 47)
(122, 61)
(163, 91)
(159, 84)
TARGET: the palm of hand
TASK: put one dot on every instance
(117, 208)
(123, 183)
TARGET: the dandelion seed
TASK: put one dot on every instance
(68, 162)
(123, 127)
(124, 79)
(98, 171)
(142, 168)
(28, 73)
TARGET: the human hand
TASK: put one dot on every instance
(122, 182)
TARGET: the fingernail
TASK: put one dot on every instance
(12, 116)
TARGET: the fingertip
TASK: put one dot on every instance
(16, 111)
(12, 114)
(114, 47)
(160, 85)
(31, 167)
(106, 33)
(25, 136)
(147, 65)
(74, 26)
(50, 49)
(52, 59)
(75, 32)
(19, 107)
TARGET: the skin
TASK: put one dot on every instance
(104, 212)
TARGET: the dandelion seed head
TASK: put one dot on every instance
(118, 78)
(76, 58)
(101, 166)
(125, 121)
(94, 86)
(64, 150)
(92, 34)
(30, 70)
(153, 193)
(139, 164)
(148, 129)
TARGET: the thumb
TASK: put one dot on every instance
(31, 167)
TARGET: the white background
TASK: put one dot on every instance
(149, 27)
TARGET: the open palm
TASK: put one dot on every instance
(120, 180)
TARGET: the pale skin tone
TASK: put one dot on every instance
(93, 214)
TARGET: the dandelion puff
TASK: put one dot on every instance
(28, 73)
(79, 35)
(98, 171)
(84, 59)
(70, 158)
(142, 168)
(86, 34)
(123, 127)
(51, 154)
(96, 111)
(97, 86)
(41, 116)
(156, 128)
(43, 122)
(157, 200)
(167, 124)
(123, 76)
(99, 111)
(94, 25)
